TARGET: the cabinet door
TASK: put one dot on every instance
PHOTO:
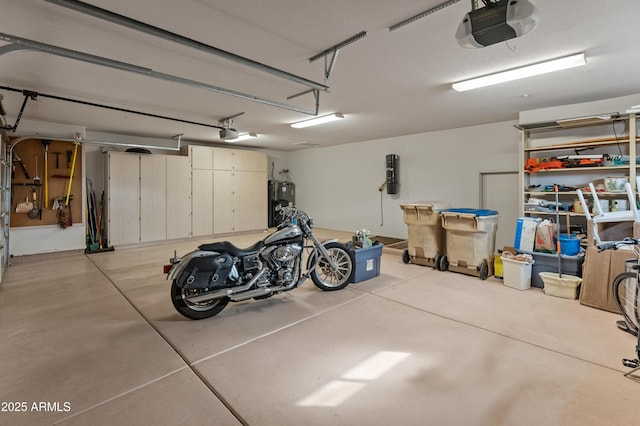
(153, 198)
(124, 198)
(224, 159)
(251, 200)
(254, 161)
(178, 197)
(202, 202)
(224, 202)
(201, 157)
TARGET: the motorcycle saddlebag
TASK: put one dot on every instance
(206, 272)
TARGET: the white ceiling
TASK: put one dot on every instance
(387, 84)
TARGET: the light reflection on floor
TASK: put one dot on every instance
(336, 392)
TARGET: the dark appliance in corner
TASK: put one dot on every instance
(280, 193)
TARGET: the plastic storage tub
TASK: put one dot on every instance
(565, 286)
(470, 238)
(516, 274)
(545, 262)
(569, 245)
(425, 244)
(367, 263)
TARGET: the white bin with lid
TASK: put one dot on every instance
(516, 274)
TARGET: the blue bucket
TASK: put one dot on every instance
(569, 246)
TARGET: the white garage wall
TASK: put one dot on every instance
(338, 186)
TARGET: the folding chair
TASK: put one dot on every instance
(630, 215)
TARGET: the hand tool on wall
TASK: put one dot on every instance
(46, 143)
(35, 211)
(73, 167)
(17, 159)
(69, 155)
(70, 219)
(36, 178)
(57, 154)
(58, 206)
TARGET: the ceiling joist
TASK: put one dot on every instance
(26, 44)
(118, 19)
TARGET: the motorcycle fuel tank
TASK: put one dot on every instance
(288, 233)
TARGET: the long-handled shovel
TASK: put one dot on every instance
(555, 187)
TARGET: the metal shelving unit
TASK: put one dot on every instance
(570, 137)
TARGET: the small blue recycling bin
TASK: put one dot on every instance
(367, 263)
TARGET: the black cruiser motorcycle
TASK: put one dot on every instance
(207, 279)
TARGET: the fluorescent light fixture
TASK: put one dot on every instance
(243, 137)
(522, 72)
(318, 120)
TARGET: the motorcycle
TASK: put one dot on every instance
(205, 280)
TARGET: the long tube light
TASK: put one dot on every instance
(318, 120)
(521, 72)
(243, 137)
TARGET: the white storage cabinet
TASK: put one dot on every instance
(229, 190)
(148, 197)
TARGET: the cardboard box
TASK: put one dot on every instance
(526, 233)
(612, 231)
(599, 272)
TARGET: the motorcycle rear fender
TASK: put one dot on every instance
(179, 267)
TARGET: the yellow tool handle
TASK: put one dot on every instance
(73, 167)
(46, 181)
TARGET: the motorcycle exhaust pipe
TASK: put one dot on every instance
(225, 292)
(264, 291)
(238, 297)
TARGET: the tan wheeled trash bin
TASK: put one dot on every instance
(470, 237)
(425, 245)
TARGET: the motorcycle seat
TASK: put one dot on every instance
(227, 247)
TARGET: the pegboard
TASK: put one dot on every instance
(23, 185)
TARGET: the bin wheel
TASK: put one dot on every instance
(443, 264)
(484, 270)
(405, 257)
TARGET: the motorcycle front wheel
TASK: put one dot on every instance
(324, 277)
(193, 310)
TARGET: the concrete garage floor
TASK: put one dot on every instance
(95, 340)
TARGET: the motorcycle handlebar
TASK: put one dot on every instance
(288, 213)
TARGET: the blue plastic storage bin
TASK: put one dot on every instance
(367, 263)
(545, 262)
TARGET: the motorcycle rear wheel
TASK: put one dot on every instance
(195, 311)
(324, 277)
